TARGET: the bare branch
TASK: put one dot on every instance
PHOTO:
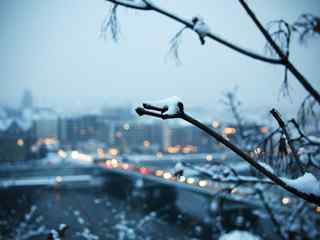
(287, 138)
(233, 103)
(270, 212)
(236, 179)
(277, 180)
(174, 46)
(189, 24)
(111, 23)
(307, 26)
(280, 31)
(149, 5)
(306, 110)
(282, 55)
(135, 4)
(310, 141)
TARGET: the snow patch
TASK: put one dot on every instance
(86, 234)
(80, 220)
(62, 226)
(125, 232)
(306, 183)
(54, 235)
(134, 3)
(239, 235)
(314, 139)
(139, 183)
(200, 26)
(179, 166)
(171, 105)
(5, 124)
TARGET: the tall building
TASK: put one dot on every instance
(83, 128)
(45, 123)
(27, 100)
(15, 137)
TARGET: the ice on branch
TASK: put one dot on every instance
(200, 27)
(307, 184)
(172, 105)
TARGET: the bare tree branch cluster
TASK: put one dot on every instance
(278, 42)
(192, 24)
(160, 113)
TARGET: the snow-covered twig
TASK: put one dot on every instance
(86, 234)
(177, 111)
(167, 108)
(307, 184)
(200, 27)
(235, 179)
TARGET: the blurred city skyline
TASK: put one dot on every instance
(53, 48)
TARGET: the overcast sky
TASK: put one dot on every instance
(53, 48)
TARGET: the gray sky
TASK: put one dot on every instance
(53, 48)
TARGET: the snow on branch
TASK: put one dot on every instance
(314, 140)
(307, 184)
(173, 108)
(200, 27)
(136, 4)
(237, 234)
(165, 108)
(226, 174)
(266, 166)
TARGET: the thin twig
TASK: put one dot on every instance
(282, 125)
(269, 210)
(190, 25)
(235, 179)
(303, 81)
(182, 115)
